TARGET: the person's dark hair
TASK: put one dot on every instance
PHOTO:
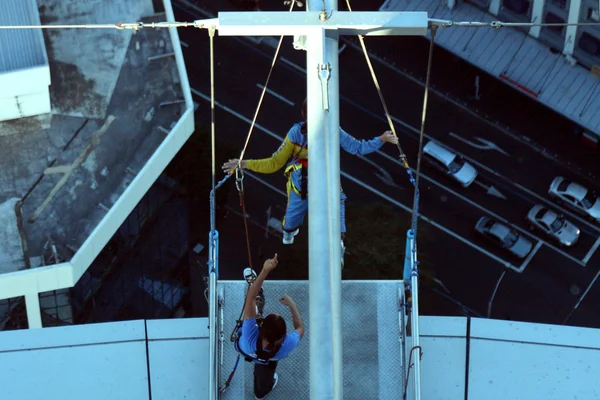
(304, 127)
(273, 329)
(304, 109)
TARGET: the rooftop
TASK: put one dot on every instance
(516, 58)
(469, 358)
(21, 48)
(117, 101)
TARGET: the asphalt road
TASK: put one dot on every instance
(545, 287)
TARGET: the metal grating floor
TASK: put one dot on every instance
(372, 349)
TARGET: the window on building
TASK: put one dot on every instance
(593, 14)
(517, 6)
(589, 44)
(554, 19)
(560, 3)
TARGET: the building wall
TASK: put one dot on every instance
(25, 93)
(580, 42)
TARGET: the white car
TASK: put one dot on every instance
(449, 163)
(504, 236)
(575, 196)
(554, 225)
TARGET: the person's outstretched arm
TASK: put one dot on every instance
(361, 147)
(265, 165)
(250, 306)
(296, 318)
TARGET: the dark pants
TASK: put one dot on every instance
(264, 378)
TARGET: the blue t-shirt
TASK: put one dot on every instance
(247, 342)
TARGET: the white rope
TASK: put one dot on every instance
(379, 91)
(119, 25)
(207, 23)
(262, 96)
(501, 24)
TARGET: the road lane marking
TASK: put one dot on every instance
(291, 64)
(530, 256)
(487, 145)
(366, 186)
(582, 297)
(274, 94)
(383, 174)
(592, 251)
(524, 140)
(494, 173)
(498, 217)
(267, 184)
(432, 222)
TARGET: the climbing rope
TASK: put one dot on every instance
(262, 95)
(402, 156)
(239, 184)
(211, 34)
(415, 211)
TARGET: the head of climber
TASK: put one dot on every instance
(273, 330)
(304, 109)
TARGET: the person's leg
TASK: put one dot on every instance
(264, 379)
(294, 215)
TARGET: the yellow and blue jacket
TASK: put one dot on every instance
(295, 147)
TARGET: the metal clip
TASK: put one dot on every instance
(136, 26)
(324, 74)
(239, 179)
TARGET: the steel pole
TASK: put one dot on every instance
(411, 243)
(324, 210)
(213, 256)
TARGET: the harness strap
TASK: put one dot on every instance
(259, 351)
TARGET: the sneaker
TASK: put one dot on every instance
(343, 250)
(288, 237)
(249, 275)
(275, 380)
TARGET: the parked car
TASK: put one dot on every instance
(504, 236)
(576, 196)
(449, 163)
(554, 225)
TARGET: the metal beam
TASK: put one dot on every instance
(571, 30)
(326, 379)
(341, 22)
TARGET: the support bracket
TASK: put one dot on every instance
(324, 74)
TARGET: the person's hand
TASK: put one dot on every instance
(286, 301)
(270, 264)
(389, 137)
(231, 164)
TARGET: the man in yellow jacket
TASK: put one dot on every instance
(294, 149)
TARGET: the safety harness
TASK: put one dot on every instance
(295, 165)
(262, 356)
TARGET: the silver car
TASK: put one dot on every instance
(575, 196)
(449, 163)
(504, 236)
(554, 225)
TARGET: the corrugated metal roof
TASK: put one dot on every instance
(20, 48)
(517, 59)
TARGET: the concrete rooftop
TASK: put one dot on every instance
(60, 174)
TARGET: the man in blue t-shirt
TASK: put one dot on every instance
(270, 342)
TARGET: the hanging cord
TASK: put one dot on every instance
(415, 211)
(412, 350)
(239, 184)
(402, 156)
(211, 34)
(262, 95)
